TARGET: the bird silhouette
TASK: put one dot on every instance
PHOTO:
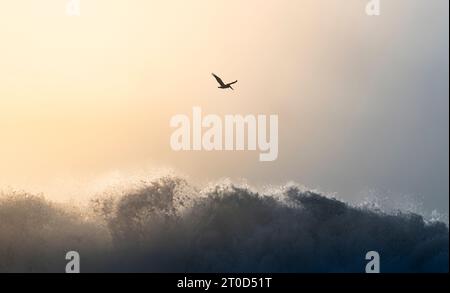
(224, 85)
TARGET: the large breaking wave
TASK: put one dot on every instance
(167, 225)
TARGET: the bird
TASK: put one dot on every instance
(222, 84)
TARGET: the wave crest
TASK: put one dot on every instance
(167, 225)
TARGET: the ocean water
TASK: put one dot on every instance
(169, 225)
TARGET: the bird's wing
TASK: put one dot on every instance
(219, 80)
(231, 83)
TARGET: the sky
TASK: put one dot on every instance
(362, 101)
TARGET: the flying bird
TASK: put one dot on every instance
(222, 84)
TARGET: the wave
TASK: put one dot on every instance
(168, 225)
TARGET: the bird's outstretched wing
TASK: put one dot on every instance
(218, 80)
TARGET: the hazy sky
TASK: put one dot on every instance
(362, 101)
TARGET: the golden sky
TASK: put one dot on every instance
(82, 96)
